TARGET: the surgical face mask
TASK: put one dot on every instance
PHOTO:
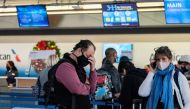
(115, 59)
(163, 65)
(82, 61)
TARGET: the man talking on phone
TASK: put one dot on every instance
(72, 87)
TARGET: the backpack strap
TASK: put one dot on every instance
(54, 68)
(176, 78)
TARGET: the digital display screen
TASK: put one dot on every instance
(120, 15)
(32, 16)
(177, 11)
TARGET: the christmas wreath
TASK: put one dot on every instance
(47, 45)
(40, 64)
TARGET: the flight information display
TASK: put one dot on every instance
(120, 15)
(32, 16)
(177, 11)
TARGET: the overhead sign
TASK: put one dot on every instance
(120, 15)
(177, 11)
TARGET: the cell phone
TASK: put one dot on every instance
(153, 64)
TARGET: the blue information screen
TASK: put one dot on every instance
(32, 16)
(177, 11)
(120, 15)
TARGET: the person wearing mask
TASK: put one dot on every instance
(72, 87)
(111, 55)
(160, 85)
(131, 82)
(11, 73)
(124, 67)
(184, 65)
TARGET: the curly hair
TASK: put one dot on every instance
(84, 44)
(163, 50)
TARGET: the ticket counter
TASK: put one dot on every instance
(25, 82)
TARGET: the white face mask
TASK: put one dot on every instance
(163, 65)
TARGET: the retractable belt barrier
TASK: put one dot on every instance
(112, 103)
(15, 100)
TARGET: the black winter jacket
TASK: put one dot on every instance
(115, 77)
(130, 86)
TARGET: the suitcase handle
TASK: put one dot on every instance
(137, 101)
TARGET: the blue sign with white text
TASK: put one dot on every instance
(177, 11)
(32, 16)
(120, 15)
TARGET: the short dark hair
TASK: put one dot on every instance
(109, 52)
(127, 65)
(11, 63)
(124, 58)
(163, 50)
(84, 44)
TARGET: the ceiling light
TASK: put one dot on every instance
(85, 8)
(8, 14)
(150, 4)
(75, 12)
(150, 9)
(8, 9)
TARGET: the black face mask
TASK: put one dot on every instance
(82, 61)
(184, 69)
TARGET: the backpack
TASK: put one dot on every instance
(104, 85)
(49, 93)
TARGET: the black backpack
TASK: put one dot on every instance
(48, 87)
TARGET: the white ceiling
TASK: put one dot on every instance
(29, 2)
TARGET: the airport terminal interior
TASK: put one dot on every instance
(35, 35)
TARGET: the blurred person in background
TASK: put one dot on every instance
(124, 66)
(113, 75)
(11, 73)
(132, 80)
(111, 56)
(184, 65)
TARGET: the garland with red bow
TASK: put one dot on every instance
(40, 64)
